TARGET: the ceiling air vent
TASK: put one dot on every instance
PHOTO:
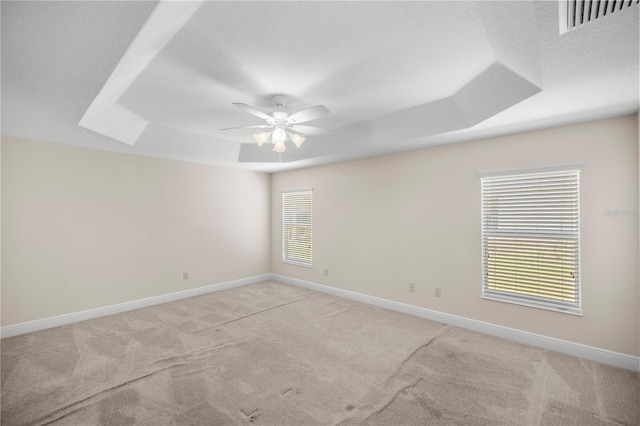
(574, 13)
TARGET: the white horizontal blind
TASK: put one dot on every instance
(297, 232)
(530, 239)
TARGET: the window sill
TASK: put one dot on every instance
(576, 312)
(291, 262)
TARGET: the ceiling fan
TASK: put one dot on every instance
(281, 125)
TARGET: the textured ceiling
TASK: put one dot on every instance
(159, 79)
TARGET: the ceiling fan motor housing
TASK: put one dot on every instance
(279, 117)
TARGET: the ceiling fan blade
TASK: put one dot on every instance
(259, 126)
(309, 114)
(308, 130)
(252, 110)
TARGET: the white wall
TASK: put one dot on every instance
(383, 222)
(83, 228)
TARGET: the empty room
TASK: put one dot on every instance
(320, 213)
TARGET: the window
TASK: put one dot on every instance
(531, 238)
(297, 227)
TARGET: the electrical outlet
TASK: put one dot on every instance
(326, 272)
(437, 292)
(412, 287)
(185, 275)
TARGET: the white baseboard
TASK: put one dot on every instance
(28, 327)
(604, 356)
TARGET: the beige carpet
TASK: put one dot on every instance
(275, 354)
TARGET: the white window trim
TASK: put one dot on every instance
(293, 262)
(515, 299)
(498, 173)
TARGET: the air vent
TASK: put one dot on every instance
(575, 13)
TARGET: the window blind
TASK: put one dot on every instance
(530, 239)
(297, 232)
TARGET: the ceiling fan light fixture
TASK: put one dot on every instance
(297, 139)
(261, 138)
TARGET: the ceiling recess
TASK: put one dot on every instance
(575, 13)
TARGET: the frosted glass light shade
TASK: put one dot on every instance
(279, 146)
(297, 139)
(261, 138)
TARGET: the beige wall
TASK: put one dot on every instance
(415, 217)
(83, 229)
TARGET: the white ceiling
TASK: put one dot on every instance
(159, 79)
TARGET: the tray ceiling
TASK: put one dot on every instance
(159, 79)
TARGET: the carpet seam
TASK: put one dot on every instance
(411, 355)
(88, 398)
